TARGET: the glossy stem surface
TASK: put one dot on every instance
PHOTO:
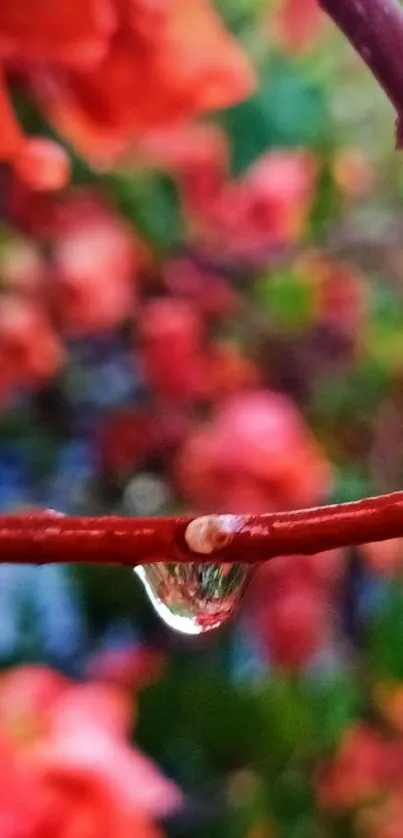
(52, 538)
(375, 30)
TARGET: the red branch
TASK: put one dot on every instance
(375, 30)
(53, 538)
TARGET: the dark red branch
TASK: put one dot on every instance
(48, 537)
(375, 30)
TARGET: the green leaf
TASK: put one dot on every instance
(351, 483)
(327, 206)
(386, 635)
(287, 722)
(196, 712)
(335, 704)
(150, 200)
(288, 110)
(287, 299)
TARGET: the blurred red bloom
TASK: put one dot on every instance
(196, 153)
(353, 172)
(73, 33)
(341, 292)
(291, 606)
(107, 70)
(42, 164)
(125, 440)
(30, 351)
(363, 769)
(96, 259)
(209, 292)
(229, 370)
(267, 207)
(133, 667)
(81, 778)
(295, 628)
(297, 24)
(255, 454)
(173, 351)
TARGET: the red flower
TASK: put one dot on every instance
(133, 667)
(11, 137)
(267, 207)
(172, 345)
(291, 606)
(107, 70)
(197, 154)
(256, 454)
(96, 259)
(80, 778)
(30, 352)
(365, 767)
(297, 24)
(341, 293)
(70, 33)
(295, 628)
(209, 292)
(42, 164)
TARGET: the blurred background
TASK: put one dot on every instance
(205, 314)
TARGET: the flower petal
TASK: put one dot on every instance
(189, 64)
(11, 137)
(72, 32)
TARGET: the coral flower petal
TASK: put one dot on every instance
(71, 32)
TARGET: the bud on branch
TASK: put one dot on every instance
(50, 537)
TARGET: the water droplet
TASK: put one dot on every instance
(194, 598)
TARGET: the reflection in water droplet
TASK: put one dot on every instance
(194, 598)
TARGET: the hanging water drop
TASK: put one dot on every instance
(193, 598)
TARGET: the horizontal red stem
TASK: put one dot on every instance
(51, 538)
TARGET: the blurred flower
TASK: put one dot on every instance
(42, 164)
(134, 666)
(256, 454)
(85, 65)
(229, 370)
(197, 155)
(172, 347)
(30, 351)
(267, 207)
(353, 172)
(385, 557)
(210, 292)
(291, 607)
(341, 293)
(297, 24)
(186, 61)
(363, 769)
(69, 744)
(125, 440)
(95, 261)
(70, 34)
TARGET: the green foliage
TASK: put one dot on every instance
(385, 646)
(205, 728)
(150, 200)
(287, 110)
(287, 299)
